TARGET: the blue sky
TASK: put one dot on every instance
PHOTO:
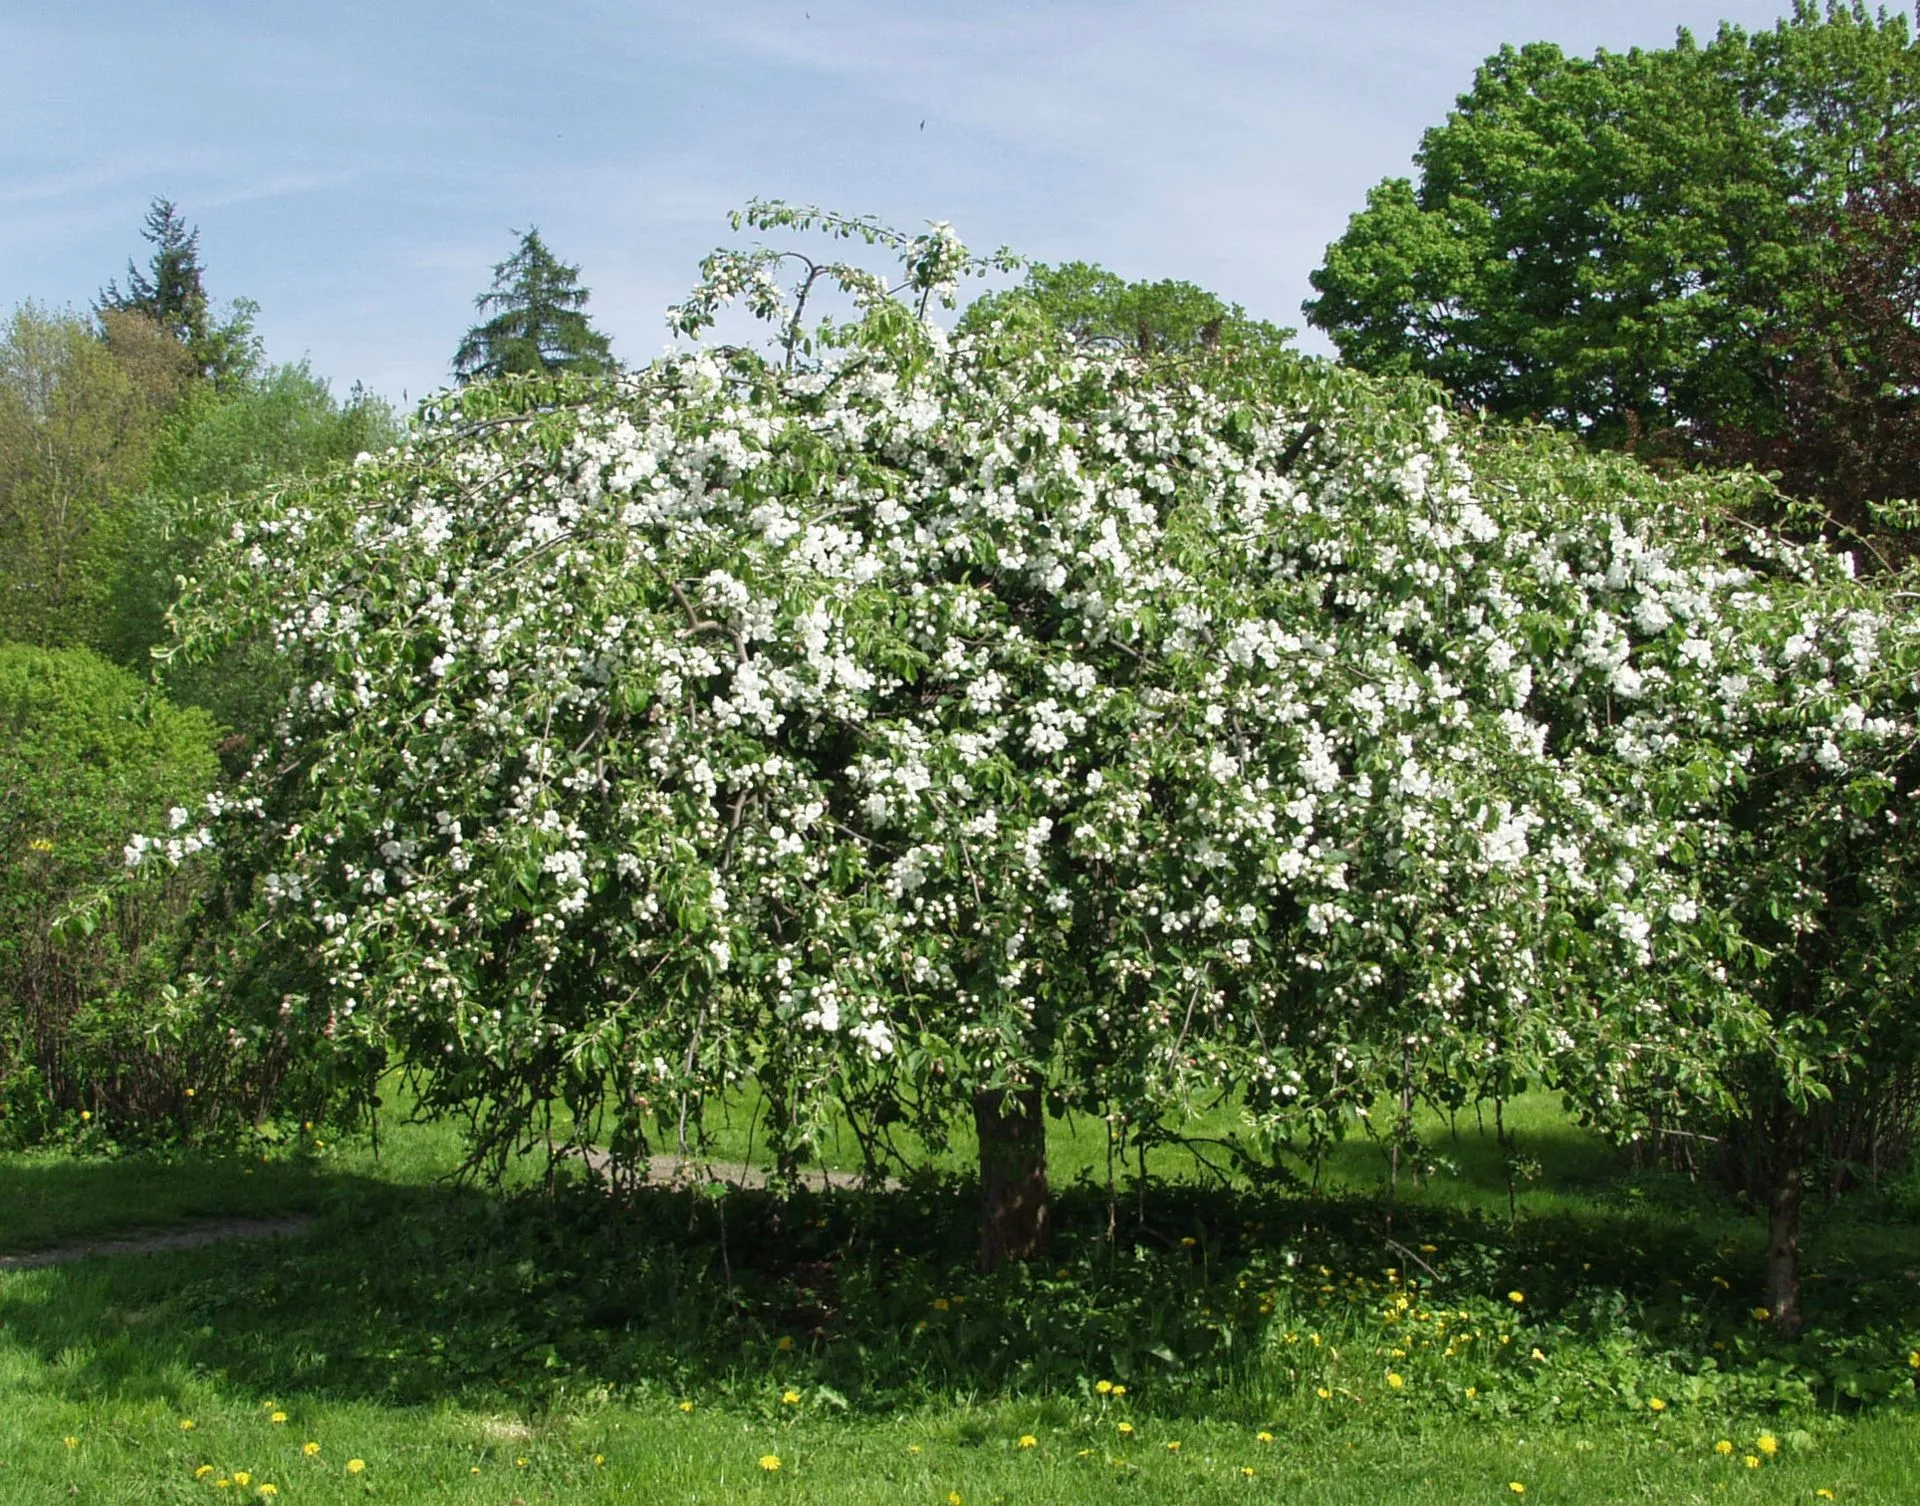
(356, 167)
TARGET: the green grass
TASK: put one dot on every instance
(443, 1334)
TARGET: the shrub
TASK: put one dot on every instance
(89, 1017)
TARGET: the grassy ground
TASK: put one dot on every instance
(468, 1347)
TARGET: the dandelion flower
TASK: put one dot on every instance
(789, 1398)
(1767, 1444)
(1761, 1315)
(1119, 1390)
(309, 1449)
(1103, 1387)
(267, 1491)
(1823, 1494)
(1752, 1461)
(1724, 1446)
(1263, 1437)
(355, 1466)
(1187, 1242)
(913, 1448)
(1126, 1430)
(1472, 1391)
(1536, 1355)
(1516, 1487)
(278, 1418)
(1656, 1404)
(953, 1498)
(599, 1460)
(203, 1471)
(1395, 1380)
(242, 1478)
(770, 1462)
(1323, 1393)
(1516, 1296)
(70, 1441)
(686, 1406)
(785, 1346)
(1173, 1446)
(186, 1424)
(1027, 1440)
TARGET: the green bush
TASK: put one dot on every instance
(91, 1021)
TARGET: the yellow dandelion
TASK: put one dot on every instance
(1767, 1444)
(203, 1471)
(1823, 1494)
(70, 1441)
(1516, 1297)
(789, 1398)
(1027, 1440)
(1173, 1446)
(1395, 1380)
(40, 844)
(1126, 1429)
(1103, 1387)
(913, 1448)
(953, 1498)
(268, 1491)
(1187, 1242)
(309, 1449)
(355, 1466)
(1752, 1461)
(242, 1478)
(222, 1483)
(686, 1406)
(1323, 1393)
(1761, 1314)
(473, 1469)
(1263, 1437)
(186, 1424)
(1119, 1390)
(1516, 1487)
(519, 1463)
(278, 1418)
(1724, 1446)
(1472, 1391)
(1913, 1359)
(1536, 1355)
(770, 1462)
(785, 1346)
(1656, 1404)
(599, 1460)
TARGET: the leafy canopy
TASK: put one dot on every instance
(1600, 242)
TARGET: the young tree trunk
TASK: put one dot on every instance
(1783, 1221)
(1014, 1200)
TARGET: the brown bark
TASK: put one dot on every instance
(1783, 1224)
(1014, 1199)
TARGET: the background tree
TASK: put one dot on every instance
(172, 294)
(79, 415)
(539, 323)
(1102, 310)
(1603, 243)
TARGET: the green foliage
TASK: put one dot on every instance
(89, 1018)
(79, 413)
(172, 294)
(539, 324)
(1599, 242)
(1099, 309)
(223, 443)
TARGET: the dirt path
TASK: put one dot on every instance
(214, 1231)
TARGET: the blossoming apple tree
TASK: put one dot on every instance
(907, 723)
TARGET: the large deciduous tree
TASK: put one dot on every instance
(539, 323)
(1607, 243)
(993, 726)
(1102, 310)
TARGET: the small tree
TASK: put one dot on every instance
(539, 324)
(1104, 311)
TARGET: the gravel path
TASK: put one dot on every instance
(214, 1231)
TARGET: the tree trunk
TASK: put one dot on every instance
(1783, 1221)
(1014, 1201)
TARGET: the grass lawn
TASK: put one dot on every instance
(464, 1346)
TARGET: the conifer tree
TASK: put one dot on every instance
(172, 293)
(538, 324)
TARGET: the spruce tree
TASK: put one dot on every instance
(172, 293)
(538, 324)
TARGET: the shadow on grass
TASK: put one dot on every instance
(1205, 1301)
